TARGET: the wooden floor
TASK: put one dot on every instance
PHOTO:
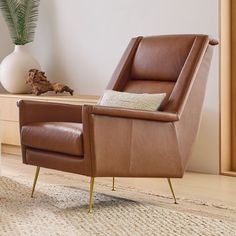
(193, 185)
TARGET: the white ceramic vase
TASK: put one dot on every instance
(14, 70)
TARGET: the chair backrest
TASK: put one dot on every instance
(161, 64)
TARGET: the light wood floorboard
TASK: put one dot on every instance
(194, 185)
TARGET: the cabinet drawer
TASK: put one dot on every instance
(9, 112)
(10, 133)
(9, 109)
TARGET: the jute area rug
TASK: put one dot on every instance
(62, 210)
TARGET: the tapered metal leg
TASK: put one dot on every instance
(113, 184)
(35, 180)
(91, 195)
(172, 191)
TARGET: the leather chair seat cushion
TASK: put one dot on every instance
(61, 137)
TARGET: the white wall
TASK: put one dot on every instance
(5, 43)
(80, 42)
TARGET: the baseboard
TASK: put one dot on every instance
(229, 173)
(11, 149)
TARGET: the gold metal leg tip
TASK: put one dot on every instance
(172, 190)
(91, 195)
(113, 184)
(35, 180)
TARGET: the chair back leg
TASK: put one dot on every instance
(172, 191)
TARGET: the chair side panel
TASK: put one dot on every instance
(188, 126)
(135, 148)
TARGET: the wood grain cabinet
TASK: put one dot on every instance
(9, 115)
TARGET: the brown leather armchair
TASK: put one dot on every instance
(113, 142)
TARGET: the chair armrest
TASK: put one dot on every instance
(35, 111)
(133, 113)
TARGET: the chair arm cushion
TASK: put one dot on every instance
(134, 114)
(35, 111)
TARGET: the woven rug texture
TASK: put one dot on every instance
(62, 210)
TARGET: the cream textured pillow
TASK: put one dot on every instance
(145, 101)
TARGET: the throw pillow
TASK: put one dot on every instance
(145, 101)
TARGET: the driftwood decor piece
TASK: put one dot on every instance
(61, 88)
(39, 84)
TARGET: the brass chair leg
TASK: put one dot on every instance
(172, 191)
(113, 184)
(91, 195)
(35, 180)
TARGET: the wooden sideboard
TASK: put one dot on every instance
(9, 115)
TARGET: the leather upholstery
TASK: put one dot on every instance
(56, 161)
(107, 141)
(158, 63)
(139, 148)
(31, 112)
(190, 113)
(61, 137)
(135, 114)
(148, 86)
(187, 76)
